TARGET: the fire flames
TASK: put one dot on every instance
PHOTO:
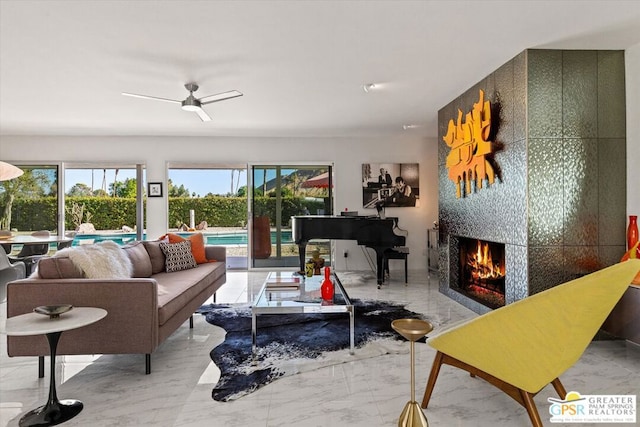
(482, 264)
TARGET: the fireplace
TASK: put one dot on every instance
(558, 201)
(482, 271)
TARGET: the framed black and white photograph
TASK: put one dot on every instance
(155, 189)
(390, 185)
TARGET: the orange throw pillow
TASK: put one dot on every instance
(197, 245)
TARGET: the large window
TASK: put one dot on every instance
(211, 199)
(103, 202)
(30, 202)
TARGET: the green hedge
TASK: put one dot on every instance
(108, 213)
(34, 214)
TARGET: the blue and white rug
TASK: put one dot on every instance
(290, 344)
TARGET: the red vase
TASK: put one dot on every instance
(632, 231)
(326, 289)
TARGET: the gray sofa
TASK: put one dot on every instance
(143, 311)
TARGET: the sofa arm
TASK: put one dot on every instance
(219, 253)
(131, 324)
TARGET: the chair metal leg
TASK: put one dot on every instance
(191, 322)
(147, 364)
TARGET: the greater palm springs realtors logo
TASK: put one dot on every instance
(593, 408)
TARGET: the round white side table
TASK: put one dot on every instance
(54, 411)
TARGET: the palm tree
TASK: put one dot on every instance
(115, 181)
(264, 181)
(237, 182)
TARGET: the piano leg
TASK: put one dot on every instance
(380, 267)
(302, 250)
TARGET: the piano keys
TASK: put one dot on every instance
(372, 232)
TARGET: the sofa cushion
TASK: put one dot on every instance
(139, 259)
(175, 291)
(156, 256)
(197, 245)
(59, 267)
(178, 256)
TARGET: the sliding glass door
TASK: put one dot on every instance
(279, 192)
(212, 199)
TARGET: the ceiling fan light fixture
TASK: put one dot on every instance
(191, 107)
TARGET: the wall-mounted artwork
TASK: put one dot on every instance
(390, 185)
(470, 146)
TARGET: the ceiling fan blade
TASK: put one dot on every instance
(220, 97)
(134, 95)
(203, 115)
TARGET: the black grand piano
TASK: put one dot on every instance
(372, 232)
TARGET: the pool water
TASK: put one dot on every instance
(237, 238)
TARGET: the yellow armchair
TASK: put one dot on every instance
(522, 347)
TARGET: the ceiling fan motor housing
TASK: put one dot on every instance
(191, 103)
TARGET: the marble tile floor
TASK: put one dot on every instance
(366, 393)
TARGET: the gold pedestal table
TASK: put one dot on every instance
(413, 330)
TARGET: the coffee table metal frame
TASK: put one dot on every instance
(284, 297)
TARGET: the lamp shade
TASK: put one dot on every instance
(8, 171)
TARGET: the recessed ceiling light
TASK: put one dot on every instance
(368, 87)
(407, 127)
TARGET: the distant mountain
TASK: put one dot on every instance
(297, 177)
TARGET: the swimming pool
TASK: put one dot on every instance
(222, 238)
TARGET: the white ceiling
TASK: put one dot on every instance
(301, 65)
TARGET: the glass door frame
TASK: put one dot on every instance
(250, 199)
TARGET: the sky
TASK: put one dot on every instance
(200, 181)
(216, 181)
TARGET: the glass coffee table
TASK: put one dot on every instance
(289, 292)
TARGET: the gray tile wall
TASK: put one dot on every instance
(559, 200)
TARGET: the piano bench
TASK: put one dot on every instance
(401, 252)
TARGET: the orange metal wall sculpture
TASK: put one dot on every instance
(469, 147)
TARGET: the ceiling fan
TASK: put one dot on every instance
(191, 103)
